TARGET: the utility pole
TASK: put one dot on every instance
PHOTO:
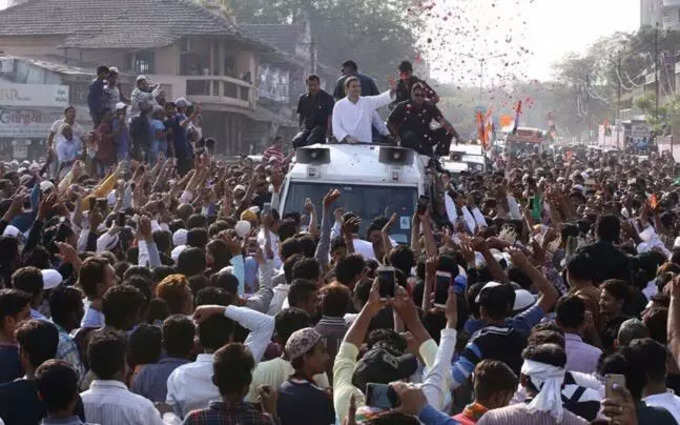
(481, 79)
(481, 70)
(312, 54)
(656, 68)
(618, 86)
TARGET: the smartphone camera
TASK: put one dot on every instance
(381, 396)
(267, 208)
(444, 281)
(386, 280)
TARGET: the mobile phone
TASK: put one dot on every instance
(120, 220)
(386, 279)
(267, 208)
(252, 246)
(441, 292)
(610, 380)
(102, 203)
(423, 202)
(381, 396)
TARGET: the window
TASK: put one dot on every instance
(366, 201)
(144, 62)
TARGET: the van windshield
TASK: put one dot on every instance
(366, 201)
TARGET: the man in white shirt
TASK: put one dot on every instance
(190, 386)
(69, 148)
(651, 358)
(352, 116)
(108, 401)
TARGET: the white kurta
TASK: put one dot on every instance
(354, 119)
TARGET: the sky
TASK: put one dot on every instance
(533, 34)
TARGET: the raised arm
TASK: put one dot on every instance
(548, 294)
(673, 328)
(323, 248)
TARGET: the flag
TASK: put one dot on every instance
(480, 125)
(487, 130)
(518, 111)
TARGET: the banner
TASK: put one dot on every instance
(32, 95)
(17, 122)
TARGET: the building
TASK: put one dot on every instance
(33, 94)
(281, 77)
(191, 50)
(664, 12)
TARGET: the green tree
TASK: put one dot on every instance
(376, 34)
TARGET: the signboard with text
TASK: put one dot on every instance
(32, 95)
(18, 122)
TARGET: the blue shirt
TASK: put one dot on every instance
(158, 128)
(68, 150)
(151, 382)
(92, 318)
(522, 322)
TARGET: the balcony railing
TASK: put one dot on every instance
(215, 90)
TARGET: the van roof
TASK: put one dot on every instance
(359, 164)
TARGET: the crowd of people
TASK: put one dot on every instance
(171, 290)
(145, 128)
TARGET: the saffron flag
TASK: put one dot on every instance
(488, 130)
(480, 126)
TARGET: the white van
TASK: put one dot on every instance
(374, 181)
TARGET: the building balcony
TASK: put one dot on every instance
(212, 92)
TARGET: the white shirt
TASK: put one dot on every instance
(190, 386)
(274, 242)
(668, 401)
(365, 248)
(77, 128)
(110, 402)
(280, 295)
(354, 119)
(260, 325)
(275, 372)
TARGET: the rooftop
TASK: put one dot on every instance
(284, 37)
(121, 24)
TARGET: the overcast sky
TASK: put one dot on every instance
(531, 34)
(556, 27)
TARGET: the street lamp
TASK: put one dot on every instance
(481, 69)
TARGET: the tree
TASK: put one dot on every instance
(377, 35)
